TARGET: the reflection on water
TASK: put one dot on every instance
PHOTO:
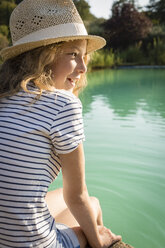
(124, 112)
(126, 90)
(124, 118)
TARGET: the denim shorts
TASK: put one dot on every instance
(66, 238)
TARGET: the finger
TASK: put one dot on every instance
(118, 237)
(115, 240)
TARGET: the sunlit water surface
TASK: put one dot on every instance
(124, 119)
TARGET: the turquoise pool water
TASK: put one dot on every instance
(124, 120)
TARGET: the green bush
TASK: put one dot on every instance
(6, 7)
(104, 58)
(153, 54)
(156, 52)
(4, 30)
(97, 59)
(3, 41)
(133, 55)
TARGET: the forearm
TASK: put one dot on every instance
(76, 195)
(81, 208)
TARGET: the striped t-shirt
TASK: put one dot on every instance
(32, 134)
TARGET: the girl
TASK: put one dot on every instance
(42, 131)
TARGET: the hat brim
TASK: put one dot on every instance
(94, 43)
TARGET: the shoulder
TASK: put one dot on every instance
(67, 97)
(58, 97)
(65, 100)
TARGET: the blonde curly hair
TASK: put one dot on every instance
(32, 66)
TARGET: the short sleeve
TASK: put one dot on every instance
(67, 131)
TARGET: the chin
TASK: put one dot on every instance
(71, 90)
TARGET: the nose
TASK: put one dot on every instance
(82, 68)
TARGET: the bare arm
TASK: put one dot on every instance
(76, 194)
(77, 198)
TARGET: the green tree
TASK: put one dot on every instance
(6, 7)
(156, 11)
(126, 26)
(10, 1)
(3, 41)
(96, 26)
(4, 30)
(18, 1)
(84, 10)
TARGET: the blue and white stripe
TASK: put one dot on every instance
(32, 134)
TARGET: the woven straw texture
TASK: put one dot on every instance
(25, 19)
(36, 23)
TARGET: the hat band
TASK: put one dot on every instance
(62, 30)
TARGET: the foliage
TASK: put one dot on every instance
(11, 1)
(84, 10)
(18, 1)
(4, 30)
(3, 41)
(133, 55)
(6, 7)
(128, 32)
(158, 32)
(104, 58)
(156, 11)
(126, 26)
(96, 27)
(156, 52)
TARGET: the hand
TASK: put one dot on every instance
(107, 238)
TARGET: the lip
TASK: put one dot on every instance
(71, 82)
(73, 79)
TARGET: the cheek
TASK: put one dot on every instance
(57, 68)
(63, 67)
(68, 65)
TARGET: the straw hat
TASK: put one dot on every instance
(36, 23)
